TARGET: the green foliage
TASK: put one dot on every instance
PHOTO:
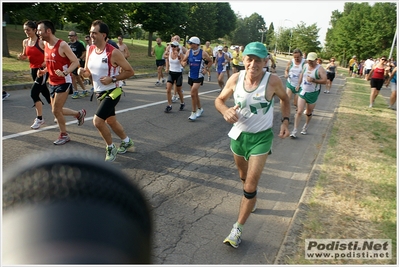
(305, 38)
(225, 19)
(115, 15)
(247, 30)
(270, 38)
(202, 21)
(362, 30)
(302, 37)
(21, 12)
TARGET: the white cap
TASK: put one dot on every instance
(220, 47)
(194, 40)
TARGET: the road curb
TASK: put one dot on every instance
(289, 246)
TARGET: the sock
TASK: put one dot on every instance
(64, 134)
(126, 140)
(239, 226)
(111, 145)
(40, 117)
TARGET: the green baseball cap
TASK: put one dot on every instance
(255, 48)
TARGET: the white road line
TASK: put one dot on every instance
(10, 136)
(90, 118)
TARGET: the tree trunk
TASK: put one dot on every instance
(6, 52)
(149, 43)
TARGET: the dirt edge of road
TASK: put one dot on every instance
(289, 246)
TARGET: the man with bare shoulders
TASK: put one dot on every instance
(60, 62)
(103, 62)
(252, 117)
(195, 57)
(309, 84)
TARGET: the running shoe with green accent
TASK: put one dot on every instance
(84, 93)
(110, 153)
(234, 238)
(75, 95)
(125, 146)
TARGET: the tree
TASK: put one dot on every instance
(164, 18)
(306, 38)
(270, 37)
(362, 30)
(115, 15)
(226, 20)
(247, 29)
(203, 21)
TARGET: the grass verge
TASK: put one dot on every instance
(355, 194)
(17, 71)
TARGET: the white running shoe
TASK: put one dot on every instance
(234, 238)
(193, 117)
(199, 112)
(293, 134)
(37, 123)
(304, 130)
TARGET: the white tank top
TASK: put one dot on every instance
(255, 112)
(174, 64)
(310, 87)
(99, 67)
(294, 72)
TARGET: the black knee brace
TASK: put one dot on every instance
(309, 114)
(249, 195)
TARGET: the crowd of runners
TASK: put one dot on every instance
(246, 75)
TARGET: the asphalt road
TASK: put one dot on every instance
(186, 169)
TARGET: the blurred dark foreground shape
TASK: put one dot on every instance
(73, 208)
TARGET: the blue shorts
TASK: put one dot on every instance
(60, 88)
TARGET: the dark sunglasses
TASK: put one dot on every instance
(383, 59)
(71, 35)
(174, 45)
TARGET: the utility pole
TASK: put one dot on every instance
(393, 42)
(262, 30)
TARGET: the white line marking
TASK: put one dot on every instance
(90, 118)
(10, 136)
